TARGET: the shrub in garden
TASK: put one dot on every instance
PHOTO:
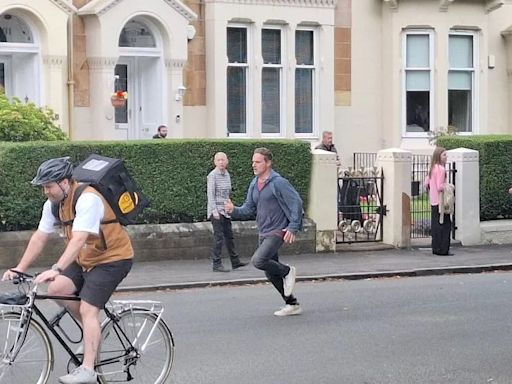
(21, 121)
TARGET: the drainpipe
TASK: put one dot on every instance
(71, 82)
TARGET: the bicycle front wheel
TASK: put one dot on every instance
(153, 354)
(33, 361)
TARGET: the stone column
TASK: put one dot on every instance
(396, 168)
(55, 69)
(102, 124)
(174, 71)
(323, 199)
(467, 195)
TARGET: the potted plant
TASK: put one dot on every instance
(118, 99)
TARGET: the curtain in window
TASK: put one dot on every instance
(460, 82)
(304, 100)
(236, 99)
(417, 83)
(270, 100)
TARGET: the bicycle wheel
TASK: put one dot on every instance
(34, 360)
(152, 360)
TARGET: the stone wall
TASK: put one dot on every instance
(160, 242)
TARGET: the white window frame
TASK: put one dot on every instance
(282, 83)
(474, 79)
(10, 51)
(249, 65)
(315, 85)
(405, 70)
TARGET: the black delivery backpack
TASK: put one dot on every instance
(111, 178)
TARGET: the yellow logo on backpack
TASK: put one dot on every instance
(125, 202)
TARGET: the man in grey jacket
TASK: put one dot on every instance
(278, 209)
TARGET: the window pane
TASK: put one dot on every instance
(236, 99)
(136, 34)
(14, 30)
(461, 51)
(459, 109)
(271, 46)
(303, 100)
(418, 111)
(121, 84)
(270, 100)
(418, 81)
(304, 48)
(237, 45)
(417, 51)
(459, 80)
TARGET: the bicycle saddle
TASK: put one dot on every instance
(13, 298)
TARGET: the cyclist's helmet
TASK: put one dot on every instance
(53, 170)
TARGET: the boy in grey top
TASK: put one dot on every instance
(218, 190)
(278, 209)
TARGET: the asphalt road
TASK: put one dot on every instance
(444, 329)
(447, 329)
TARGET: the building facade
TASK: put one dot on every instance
(378, 73)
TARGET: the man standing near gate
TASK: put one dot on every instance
(278, 209)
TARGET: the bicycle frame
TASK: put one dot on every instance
(110, 316)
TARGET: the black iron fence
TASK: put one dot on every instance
(420, 204)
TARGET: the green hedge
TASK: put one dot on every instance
(495, 154)
(171, 173)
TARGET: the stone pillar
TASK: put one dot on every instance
(323, 199)
(175, 118)
(467, 195)
(55, 69)
(102, 127)
(396, 166)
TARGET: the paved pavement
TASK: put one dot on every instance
(362, 264)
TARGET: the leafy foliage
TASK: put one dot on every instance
(171, 173)
(495, 171)
(26, 122)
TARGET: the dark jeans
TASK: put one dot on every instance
(266, 258)
(440, 232)
(222, 232)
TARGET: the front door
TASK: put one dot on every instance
(143, 112)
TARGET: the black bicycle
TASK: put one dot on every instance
(137, 345)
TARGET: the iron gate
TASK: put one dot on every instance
(420, 204)
(360, 205)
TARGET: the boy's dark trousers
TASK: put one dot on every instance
(222, 232)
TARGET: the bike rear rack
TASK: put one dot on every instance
(152, 306)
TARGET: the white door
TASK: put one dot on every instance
(139, 76)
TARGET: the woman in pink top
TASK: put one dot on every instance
(435, 182)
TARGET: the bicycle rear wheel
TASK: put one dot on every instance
(151, 362)
(34, 361)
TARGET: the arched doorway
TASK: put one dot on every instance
(19, 59)
(140, 72)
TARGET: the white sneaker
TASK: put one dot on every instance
(289, 310)
(289, 282)
(80, 375)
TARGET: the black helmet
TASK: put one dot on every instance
(53, 170)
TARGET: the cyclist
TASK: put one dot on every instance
(97, 257)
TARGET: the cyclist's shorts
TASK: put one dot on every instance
(97, 285)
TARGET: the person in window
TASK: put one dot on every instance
(435, 183)
(218, 192)
(278, 209)
(161, 132)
